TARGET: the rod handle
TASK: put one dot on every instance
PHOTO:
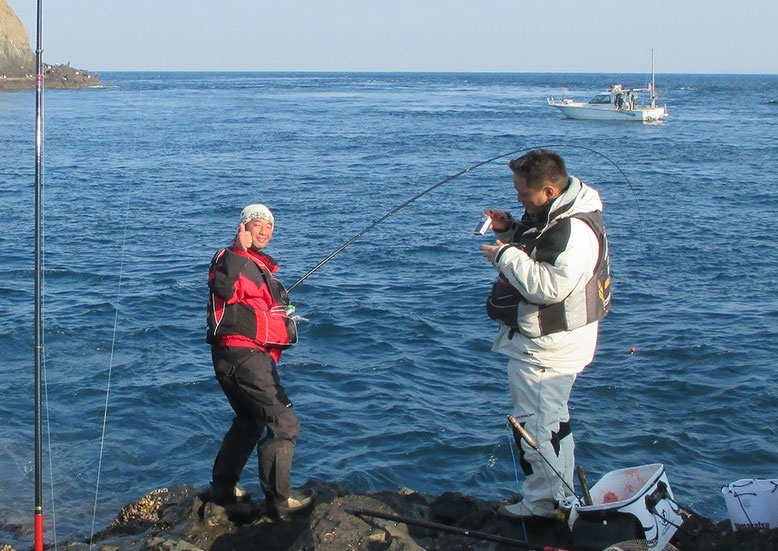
(523, 432)
(587, 497)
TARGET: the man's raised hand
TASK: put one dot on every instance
(499, 219)
(243, 240)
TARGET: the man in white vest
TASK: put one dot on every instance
(553, 287)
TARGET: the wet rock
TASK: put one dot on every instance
(16, 529)
(215, 516)
(181, 519)
(334, 527)
(145, 508)
(75, 547)
(454, 508)
(162, 544)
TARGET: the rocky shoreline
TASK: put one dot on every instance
(55, 76)
(182, 519)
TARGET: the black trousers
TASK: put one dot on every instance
(250, 381)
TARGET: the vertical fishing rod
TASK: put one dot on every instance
(38, 247)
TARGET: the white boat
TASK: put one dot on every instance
(617, 104)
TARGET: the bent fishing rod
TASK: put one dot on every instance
(445, 181)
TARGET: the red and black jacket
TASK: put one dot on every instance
(247, 305)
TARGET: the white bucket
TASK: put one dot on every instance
(752, 503)
(624, 492)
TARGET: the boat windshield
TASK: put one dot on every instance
(601, 98)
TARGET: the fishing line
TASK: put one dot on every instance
(108, 383)
(43, 334)
(513, 455)
(48, 440)
(457, 175)
(113, 338)
(518, 484)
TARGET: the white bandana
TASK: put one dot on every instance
(252, 212)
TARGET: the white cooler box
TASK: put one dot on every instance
(628, 504)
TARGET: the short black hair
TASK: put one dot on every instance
(539, 167)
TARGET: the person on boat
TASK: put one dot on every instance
(248, 329)
(553, 287)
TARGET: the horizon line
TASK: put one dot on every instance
(328, 71)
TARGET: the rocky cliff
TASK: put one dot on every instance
(16, 57)
(17, 60)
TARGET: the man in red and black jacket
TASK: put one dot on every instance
(248, 328)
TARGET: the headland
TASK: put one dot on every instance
(18, 64)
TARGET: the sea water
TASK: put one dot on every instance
(393, 379)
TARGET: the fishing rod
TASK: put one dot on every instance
(450, 178)
(454, 530)
(38, 293)
(651, 500)
(531, 442)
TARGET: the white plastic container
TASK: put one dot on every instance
(752, 503)
(633, 503)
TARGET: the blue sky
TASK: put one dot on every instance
(710, 36)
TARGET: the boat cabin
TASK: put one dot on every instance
(617, 96)
(601, 98)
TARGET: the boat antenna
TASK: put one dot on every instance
(458, 174)
(38, 255)
(653, 84)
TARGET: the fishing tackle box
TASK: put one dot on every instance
(628, 504)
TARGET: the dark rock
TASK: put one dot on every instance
(161, 544)
(333, 527)
(215, 516)
(453, 507)
(18, 529)
(65, 76)
(698, 533)
(181, 519)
